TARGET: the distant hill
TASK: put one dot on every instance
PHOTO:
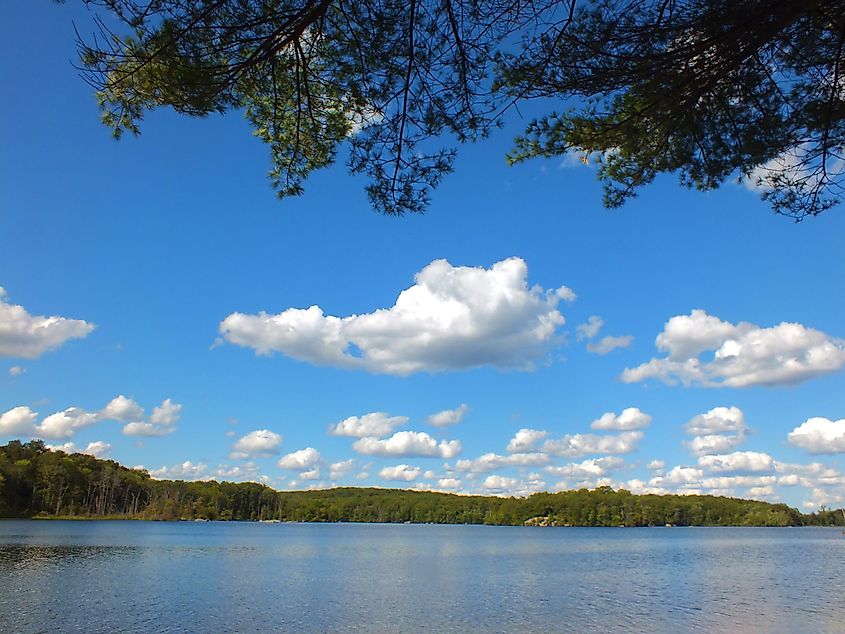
(38, 482)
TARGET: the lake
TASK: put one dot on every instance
(101, 576)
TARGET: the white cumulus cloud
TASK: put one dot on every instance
(817, 435)
(631, 418)
(18, 421)
(492, 461)
(66, 423)
(161, 423)
(310, 474)
(738, 461)
(375, 424)
(680, 475)
(738, 355)
(593, 468)
(499, 484)
(716, 431)
(525, 440)
(98, 449)
(449, 484)
(299, 460)
(452, 318)
(401, 472)
(408, 443)
(261, 443)
(448, 416)
(716, 421)
(338, 470)
(28, 336)
(122, 409)
(166, 414)
(714, 444)
(573, 445)
(184, 471)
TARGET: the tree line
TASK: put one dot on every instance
(38, 482)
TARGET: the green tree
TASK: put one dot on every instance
(707, 89)
(382, 75)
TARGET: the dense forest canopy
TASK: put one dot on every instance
(36, 481)
(708, 90)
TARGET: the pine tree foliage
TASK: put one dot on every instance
(710, 90)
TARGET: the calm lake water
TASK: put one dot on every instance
(248, 577)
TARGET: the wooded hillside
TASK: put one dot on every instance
(35, 481)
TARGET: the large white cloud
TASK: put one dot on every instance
(592, 468)
(310, 474)
(166, 414)
(717, 421)
(122, 409)
(820, 435)
(28, 336)
(680, 475)
(66, 423)
(161, 422)
(748, 474)
(714, 444)
(452, 318)
(739, 355)
(525, 440)
(449, 484)
(400, 472)
(493, 461)
(18, 421)
(737, 462)
(448, 416)
(375, 424)
(631, 418)
(261, 443)
(499, 484)
(299, 460)
(813, 475)
(573, 445)
(717, 431)
(338, 470)
(728, 483)
(408, 443)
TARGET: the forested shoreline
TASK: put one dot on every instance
(38, 482)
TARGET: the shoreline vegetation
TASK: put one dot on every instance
(39, 483)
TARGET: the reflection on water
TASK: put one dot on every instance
(232, 577)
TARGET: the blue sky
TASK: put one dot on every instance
(172, 244)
